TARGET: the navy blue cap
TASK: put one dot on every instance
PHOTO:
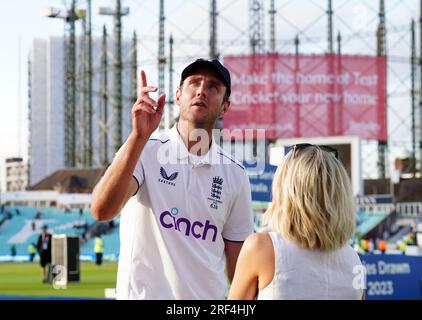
(213, 64)
(45, 226)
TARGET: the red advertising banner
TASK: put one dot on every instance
(294, 96)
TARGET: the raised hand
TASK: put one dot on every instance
(146, 112)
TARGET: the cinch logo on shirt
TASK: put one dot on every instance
(167, 179)
(197, 229)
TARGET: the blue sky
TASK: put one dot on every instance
(20, 19)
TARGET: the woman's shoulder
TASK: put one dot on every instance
(258, 243)
(351, 252)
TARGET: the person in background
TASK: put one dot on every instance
(98, 249)
(44, 250)
(13, 251)
(382, 246)
(371, 246)
(32, 251)
(410, 239)
(312, 218)
(403, 246)
(366, 245)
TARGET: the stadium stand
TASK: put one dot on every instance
(366, 221)
(24, 228)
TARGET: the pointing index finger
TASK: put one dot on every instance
(143, 79)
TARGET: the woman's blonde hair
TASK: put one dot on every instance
(312, 200)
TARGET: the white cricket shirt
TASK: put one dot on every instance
(172, 231)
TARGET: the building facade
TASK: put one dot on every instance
(16, 174)
(47, 120)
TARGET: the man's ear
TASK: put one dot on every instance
(225, 108)
(178, 94)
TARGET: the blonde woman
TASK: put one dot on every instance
(312, 217)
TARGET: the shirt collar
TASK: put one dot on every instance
(181, 152)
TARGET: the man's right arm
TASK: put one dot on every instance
(118, 184)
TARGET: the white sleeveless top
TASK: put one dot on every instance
(305, 274)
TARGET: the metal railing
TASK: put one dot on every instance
(409, 209)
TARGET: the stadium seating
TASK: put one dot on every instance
(365, 221)
(18, 230)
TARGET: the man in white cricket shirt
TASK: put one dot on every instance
(185, 203)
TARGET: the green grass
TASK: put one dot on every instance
(24, 279)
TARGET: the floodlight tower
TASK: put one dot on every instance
(413, 64)
(134, 69)
(381, 52)
(86, 91)
(69, 16)
(256, 26)
(213, 30)
(170, 99)
(330, 13)
(164, 124)
(257, 45)
(420, 90)
(88, 107)
(272, 13)
(104, 101)
(117, 14)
